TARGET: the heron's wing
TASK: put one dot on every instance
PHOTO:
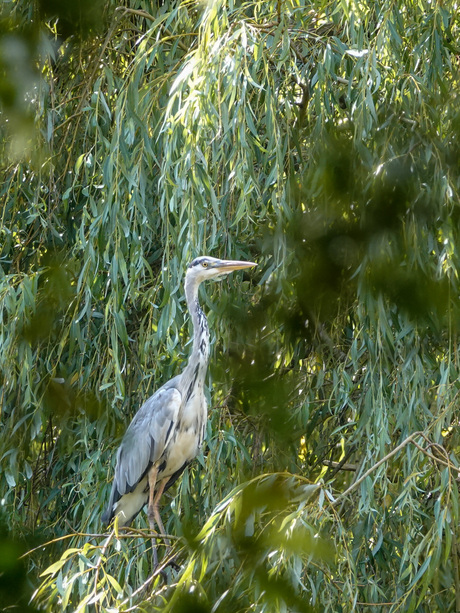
(146, 438)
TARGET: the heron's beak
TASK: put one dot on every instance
(230, 265)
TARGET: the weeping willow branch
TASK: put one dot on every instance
(409, 440)
(145, 15)
(373, 468)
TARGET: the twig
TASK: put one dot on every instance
(138, 12)
(447, 464)
(99, 563)
(340, 466)
(131, 533)
(455, 553)
(146, 583)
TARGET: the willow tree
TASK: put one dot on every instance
(320, 139)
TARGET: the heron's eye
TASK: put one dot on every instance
(204, 264)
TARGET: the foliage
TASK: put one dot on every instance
(320, 139)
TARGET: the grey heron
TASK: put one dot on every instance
(166, 433)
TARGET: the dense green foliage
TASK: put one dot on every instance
(320, 139)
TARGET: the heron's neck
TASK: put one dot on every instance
(200, 350)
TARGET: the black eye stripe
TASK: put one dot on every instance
(201, 262)
(195, 262)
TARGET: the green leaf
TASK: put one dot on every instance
(54, 568)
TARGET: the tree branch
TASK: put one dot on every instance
(369, 472)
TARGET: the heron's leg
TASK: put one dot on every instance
(151, 513)
(156, 510)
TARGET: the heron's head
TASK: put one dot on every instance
(205, 267)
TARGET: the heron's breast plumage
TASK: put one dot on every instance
(187, 436)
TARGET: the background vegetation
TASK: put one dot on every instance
(321, 139)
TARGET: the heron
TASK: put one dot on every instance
(168, 430)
